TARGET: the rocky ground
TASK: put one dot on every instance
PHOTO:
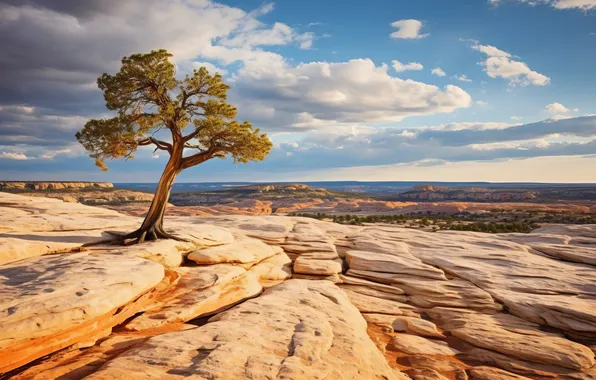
(274, 297)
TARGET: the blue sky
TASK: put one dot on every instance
(346, 90)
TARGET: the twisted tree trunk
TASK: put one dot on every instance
(152, 227)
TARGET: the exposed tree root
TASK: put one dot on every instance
(137, 237)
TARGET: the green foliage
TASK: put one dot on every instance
(148, 98)
(438, 222)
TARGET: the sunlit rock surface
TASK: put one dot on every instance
(254, 297)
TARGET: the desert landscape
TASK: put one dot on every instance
(288, 297)
(297, 190)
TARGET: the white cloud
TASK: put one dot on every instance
(556, 108)
(353, 91)
(438, 72)
(408, 29)
(491, 51)
(210, 67)
(48, 155)
(584, 5)
(481, 103)
(463, 78)
(516, 118)
(14, 156)
(399, 67)
(559, 117)
(500, 64)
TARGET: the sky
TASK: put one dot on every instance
(411, 90)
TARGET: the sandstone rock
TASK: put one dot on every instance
(387, 263)
(50, 302)
(201, 291)
(270, 229)
(489, 373)
(18, 246)
(371, 304)
(27, 214)
(74, 364)
(306, 247)
(169, 253)
(430, 293)
(201, 235)
(442, 366)
(244, 251)
(317, 267)
(426, 374)
(514, 337)
(334, 278)
(273, 270)
(416, 326)
(574, 253)
(416, 345)
(298, 329)
(532, 286)
(511, 364)
(350, 280)
(374, 292)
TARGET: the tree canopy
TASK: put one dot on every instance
(148, 98)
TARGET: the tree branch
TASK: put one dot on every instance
(158, 143)
(197, 158)
(192, 135)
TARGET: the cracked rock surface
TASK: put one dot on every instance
(273, 297)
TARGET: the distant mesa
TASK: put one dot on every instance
(35, 185)
(443, 193)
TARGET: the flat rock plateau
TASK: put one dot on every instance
(278, 297)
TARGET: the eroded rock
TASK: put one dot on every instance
(298, 329)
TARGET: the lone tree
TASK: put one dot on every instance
(148, 99)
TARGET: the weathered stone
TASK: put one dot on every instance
(416, 345)
(30, 214)
(201, 291)
(371, 304)
(513, 336)
(416, 326)
(298, 329)
(375, 292)
(442, 366)
(18, 246)
(490, 373)
(167, 252)
(244, 251)
(426, 374)
(387, 263)
(273, 270)
(50, 302)
(317, 267)
(430, 293)
(350, 280)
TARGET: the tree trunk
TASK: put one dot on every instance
(152, 227)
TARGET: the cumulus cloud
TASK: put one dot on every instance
(399, 67)
(282, 95)
(557, 108)
(500, 64)
(13, 156)
(408, 29)
(438, 72)
(481, 103)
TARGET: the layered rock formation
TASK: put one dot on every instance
(35, 185)
(289, 298)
